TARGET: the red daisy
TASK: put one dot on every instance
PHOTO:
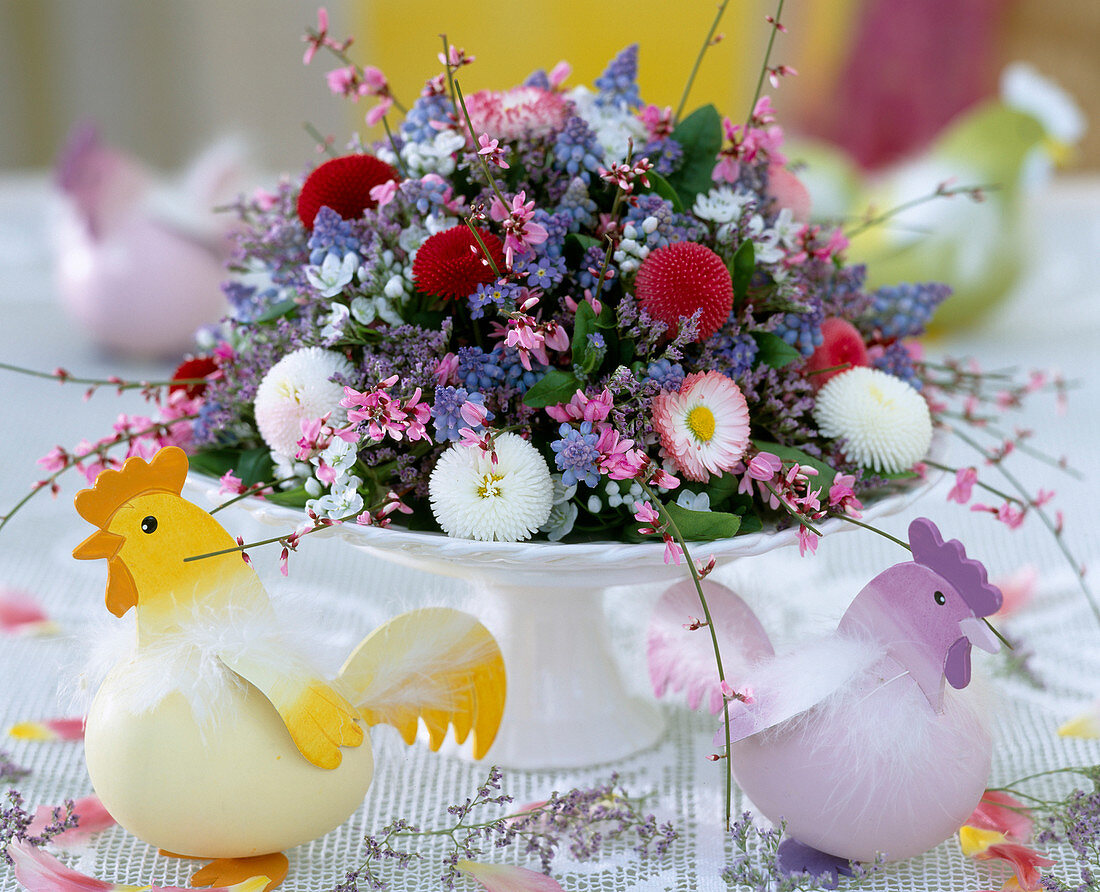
(675, 281)
(195, 367)
(344, 185)
(450, 263)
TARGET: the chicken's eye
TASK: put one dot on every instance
(149, 524)
(939, 597)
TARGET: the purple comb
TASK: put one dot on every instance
(949, 560)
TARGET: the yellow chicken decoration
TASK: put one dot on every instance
(213, 738)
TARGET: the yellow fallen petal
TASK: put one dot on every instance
(1086, 725)
(974, 841)
(31, 731)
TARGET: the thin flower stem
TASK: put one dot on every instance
(699, 59)
(941, 191)
(484, 250)
(396, 151)
(481, 158)
(63, 377)
(252, 490)
(1047, 522)
(321, 139)
(764, 67)
(990, 489)
(671, 524)
(859, 523)
(73, 460)
(1030, 451)
(802, 520)
(450, 73)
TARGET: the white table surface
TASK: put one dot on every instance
(1052, 321)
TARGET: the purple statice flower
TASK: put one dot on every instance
(618, 85)
(15, 822)
(781, 401)
(10, 771)
(447, 412)
(802, 330)
(477, 370)
(417, 126)
(498, 294)
(576, 204)
(577, 151)
(664, 374)
(408, 351)
(896, 360)
(249, 302)
(332, 234)
(590, 266)
(577, 454)
(902, 311)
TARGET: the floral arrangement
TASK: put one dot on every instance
(530, 312)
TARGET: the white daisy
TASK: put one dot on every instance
(884, 421)
(473, 498)
(296, 389)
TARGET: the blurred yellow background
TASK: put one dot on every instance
(163, 77)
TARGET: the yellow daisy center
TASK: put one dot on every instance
(700, 422)
(490, 486)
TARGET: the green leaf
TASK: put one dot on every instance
(773, 351)
(824, 478)
(583, 242)
(703, 526)
(290, 498)
(251, 465)
(213, 462)
(741, 267)
(719, 489)
(554, 387)
(663, 187)
(282, 308)
(583, 324)
(700, 134)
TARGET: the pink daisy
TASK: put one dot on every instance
(705, 427)
(519, 113)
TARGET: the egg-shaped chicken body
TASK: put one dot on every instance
(228, 784)
(872, 770)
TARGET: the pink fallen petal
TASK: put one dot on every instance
(20, 614)
(682, 660)
(1017, 589)
(49, 729)
(1004, 814)
(508, 878)
(38, 871)
(91, 817)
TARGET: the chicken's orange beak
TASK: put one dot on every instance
(100, 544)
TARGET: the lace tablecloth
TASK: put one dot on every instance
(1053, 321)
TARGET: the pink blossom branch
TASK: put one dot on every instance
(776, 28)
(943, 190)
(710, 41)
(670, 524)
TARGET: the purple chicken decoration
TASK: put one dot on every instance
(855, 740)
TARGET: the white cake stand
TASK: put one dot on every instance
(568, 704)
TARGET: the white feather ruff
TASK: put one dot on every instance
(190, 661)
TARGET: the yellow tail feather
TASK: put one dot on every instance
(435, 664)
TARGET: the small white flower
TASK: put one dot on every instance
(693, 501)
(594, 504)
(721, 205)
(340, 502)
(884, 421)
(333, 328)
(334, 274)
(560, 522)
(474, 498)
(291, 471)
(366, 309)
(296, 389)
